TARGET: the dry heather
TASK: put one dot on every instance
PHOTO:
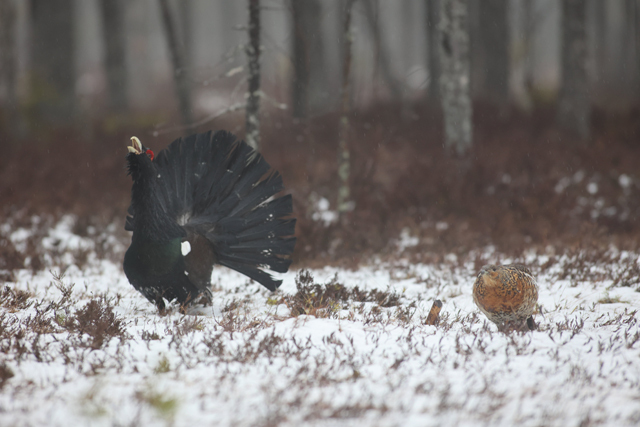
(349, 347)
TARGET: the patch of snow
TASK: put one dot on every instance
(579, 176)
(62, 238)
(19, 239)
(442, 226)
(246, 361)
(406, 240)
(625, 181)
(323, 213)
(562, 185)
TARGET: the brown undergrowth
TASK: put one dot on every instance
(524, 184)
(323, 300)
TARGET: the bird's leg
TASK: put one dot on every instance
(205, 298)
(516, 325)
(531, 324)
(186, 304)
(160, 304)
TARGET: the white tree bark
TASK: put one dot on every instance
(455, 79)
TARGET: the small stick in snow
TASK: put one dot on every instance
(432, 318)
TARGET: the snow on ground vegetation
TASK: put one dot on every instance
(79, 346)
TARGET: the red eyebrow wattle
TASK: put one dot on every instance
(150, 153)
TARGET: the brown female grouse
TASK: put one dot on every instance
(507, 295)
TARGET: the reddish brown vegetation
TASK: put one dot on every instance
(503, 195)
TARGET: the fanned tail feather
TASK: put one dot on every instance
(223, 189)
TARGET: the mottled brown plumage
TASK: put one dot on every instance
(507, 295)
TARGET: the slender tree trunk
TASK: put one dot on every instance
(8, 68)
(53, 61)
(529, 60)
(633, 17)
(455, 78)
(574, 106)
(178, 62)
(494, 31)
(309, 88)
(252, 126)
(344, 157)
(381, 52)
(115, 54)
(637, 36)
(601, 56)
(432, 9)
(300, 84)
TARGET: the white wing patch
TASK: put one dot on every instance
(186, 248)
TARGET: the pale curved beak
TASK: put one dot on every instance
(136, 146)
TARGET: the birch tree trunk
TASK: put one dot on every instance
(53, 61)
(344, 155)
(574, 107)
(455, 79)
(252, 125)
(178, 63)
(115, 54)
(8, 67)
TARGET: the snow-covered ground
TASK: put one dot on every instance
(87, 349)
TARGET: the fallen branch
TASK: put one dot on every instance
(432, 318)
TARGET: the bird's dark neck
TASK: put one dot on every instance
(151, 222)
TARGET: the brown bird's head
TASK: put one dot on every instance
(490, 271)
